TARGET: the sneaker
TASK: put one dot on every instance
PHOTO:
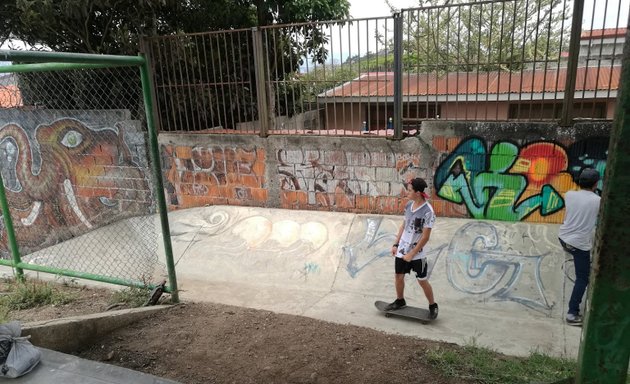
(574, 319)
(397, 304)
(433, 311)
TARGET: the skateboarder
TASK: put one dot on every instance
(576, 235)
(408, 249)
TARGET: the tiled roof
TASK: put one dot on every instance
(599, 33)
(459, 83)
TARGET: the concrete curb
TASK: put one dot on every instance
(71, 333)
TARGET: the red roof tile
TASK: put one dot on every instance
(528, 81)
(600, 33)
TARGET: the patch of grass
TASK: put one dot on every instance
(486, 366)
(30, 294)
(131, 296)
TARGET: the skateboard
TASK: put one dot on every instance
(411, 312)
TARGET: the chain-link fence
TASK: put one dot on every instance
(77, 175)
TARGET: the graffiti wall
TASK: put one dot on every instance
(510, 172)
(201, 175)
(505, 180)
(343, 180)
(65, 176)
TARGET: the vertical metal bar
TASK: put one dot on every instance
(261, 87)
(191, 85)
(500, 60)
(185, 86)
(378, 79)
(211, 92)
(407, 69)
(605, 347)
(488, 66)
(202, 84)
(599, 61)
(531, 104)
(229, 78)
(332, 83)
(478, 59)
(614, 51)
(341, 80)
(216, 85)
(237, 83)
(468, 67)
(367, 49)
(277, 55)
(561, 44)
(164, 79)
(544, 87)
(520, 87)
(458, 67)
(509, 92)
(418, 65)
(252, 104)
(426, 65)
(147, 93)
(352, 79)
(574, 49)
(360, 96)
(222, 83)
(8, 224)
(588, 61)
(398, 97)
(447, 70)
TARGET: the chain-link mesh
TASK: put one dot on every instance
(73, 157)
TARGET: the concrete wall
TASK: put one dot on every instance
(500, 171)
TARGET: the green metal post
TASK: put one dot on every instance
(605, 347)
(8, 223)
(147, 86)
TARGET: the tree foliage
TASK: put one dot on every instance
(506, 35)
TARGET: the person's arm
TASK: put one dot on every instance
(424, 239)
(395, 246)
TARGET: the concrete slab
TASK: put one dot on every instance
(60, 368)
(499, 284)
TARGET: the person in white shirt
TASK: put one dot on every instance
(576, 236)
(412, 236)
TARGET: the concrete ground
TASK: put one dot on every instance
(500, 285)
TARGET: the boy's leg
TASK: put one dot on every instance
(399, 282)
(428, 290)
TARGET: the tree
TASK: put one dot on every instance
(483, 37)
(114, 27)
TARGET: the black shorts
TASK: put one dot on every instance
(420, 267)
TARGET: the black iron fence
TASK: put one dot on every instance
(500, 60)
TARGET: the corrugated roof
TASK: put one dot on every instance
(460, 83)
(10, 97)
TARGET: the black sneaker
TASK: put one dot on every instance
(433, 311)
(397, 304)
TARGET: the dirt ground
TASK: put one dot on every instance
(212, 343)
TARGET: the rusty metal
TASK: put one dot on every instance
(574, 49)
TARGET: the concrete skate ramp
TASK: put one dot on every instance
(498, 284)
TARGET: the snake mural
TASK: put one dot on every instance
(66, 179)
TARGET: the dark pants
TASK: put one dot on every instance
(582, 262)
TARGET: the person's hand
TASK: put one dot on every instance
(408, 257)
(394, 250)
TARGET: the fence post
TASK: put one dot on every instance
(261, 86)
(566, 118)
(154, 154)
(605, 347)
(8, 223)
(398, 97)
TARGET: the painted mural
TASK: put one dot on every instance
(200, 175)
(505, 181)
(65, 178)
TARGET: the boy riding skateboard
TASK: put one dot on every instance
(413, 235)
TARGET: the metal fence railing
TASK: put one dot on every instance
(498, 60)
(80, 181)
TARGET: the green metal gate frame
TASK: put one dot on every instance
(58, 61)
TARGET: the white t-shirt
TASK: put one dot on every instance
(580, 219)
(415, 222)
